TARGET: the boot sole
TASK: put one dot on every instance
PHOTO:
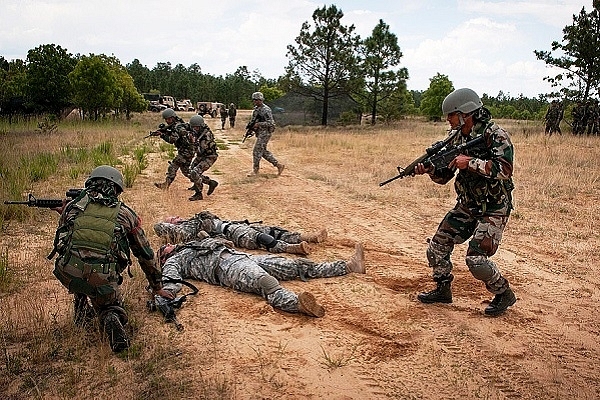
(496, 312)
(427, 301)
(307, 304)
(116, 334)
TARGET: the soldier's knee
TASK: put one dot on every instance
(481, 267)
(268, 284)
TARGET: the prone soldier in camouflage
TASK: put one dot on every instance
(206, 155)
(263, 126)
(484, 188)
(251, 236)
(212, 260)
(176, 132)
(95, 237)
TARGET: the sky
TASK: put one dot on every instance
(487, 46)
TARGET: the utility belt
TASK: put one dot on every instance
(78, 268)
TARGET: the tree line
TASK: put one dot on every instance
(328, 64)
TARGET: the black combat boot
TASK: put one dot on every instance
(441, 294)
(117, 337)
(212, 184)
(501, 302)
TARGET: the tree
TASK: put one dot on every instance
(431, 103)
(95, 86)
(379, 53)
(13, 86)
(323, 64)
(48, 86)
(580, 52)
(141, 76)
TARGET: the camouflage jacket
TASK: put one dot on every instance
(180, 135)
(264, 118)
(129, 236)
(485, 186)
(205, 142)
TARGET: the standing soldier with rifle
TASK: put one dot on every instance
(263, 126)
(484, 188)
(232, 112)
(95, 236)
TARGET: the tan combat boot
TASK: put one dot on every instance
(301, 248)
(307, 304)
(163, 185)
(356, 263)
(319, 237)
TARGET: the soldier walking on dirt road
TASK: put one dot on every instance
(206, 155)
(263, 125)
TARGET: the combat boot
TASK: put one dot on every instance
(117, 337)
(253, 173)
(441, 294)
(307, 304)
(300, 248)
(280, 168)
(356, 263)
(501, 302)
(164, 185)
(212, 184)
(314, 237)
(196, 196)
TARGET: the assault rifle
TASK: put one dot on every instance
(46, 203)
(167, 307)
(162, 128)
(438, 155)
(250, 128)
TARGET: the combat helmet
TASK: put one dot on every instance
(196, 120)
(109, 173)
(258, 96)
(463, 100)
(168, 113)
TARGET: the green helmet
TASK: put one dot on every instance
(258, 96)
(168, 113)
(463, 100)
(196, 120)
(109, 173)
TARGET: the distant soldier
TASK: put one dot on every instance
(553, 116)
(206, 155)
(232, 112)
(223, 114)
(593, 114)
(578, 116)
(177, 133)
(263, 125)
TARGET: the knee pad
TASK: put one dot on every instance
(482, 268)
(439, 255)
(268, 284)
(266, 240)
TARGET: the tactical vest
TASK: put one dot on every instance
(479, 192)
(96, 231)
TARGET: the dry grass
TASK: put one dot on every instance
(44, 356)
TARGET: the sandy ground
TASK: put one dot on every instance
(376, 341)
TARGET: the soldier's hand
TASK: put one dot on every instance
(461, 162)
(164, 293)
(61, 208)
(420, 169)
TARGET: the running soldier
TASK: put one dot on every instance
(206, 155)
(263, 125)
(213, 261)
(177, 133)
(243, 234)
(484, 189)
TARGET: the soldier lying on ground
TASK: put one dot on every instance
(243, 234)
(213, 260)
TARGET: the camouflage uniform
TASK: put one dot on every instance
(75, 267)
(211, 261)
(553, 116)
(265, 128)
(179, 134)
(232, 112)
(223, 113)
(579, 116)
(482, 210)
(206, 155)
(242, 234)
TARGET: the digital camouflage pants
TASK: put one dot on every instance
(198, 167)
(260, 150)
(485, 233)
